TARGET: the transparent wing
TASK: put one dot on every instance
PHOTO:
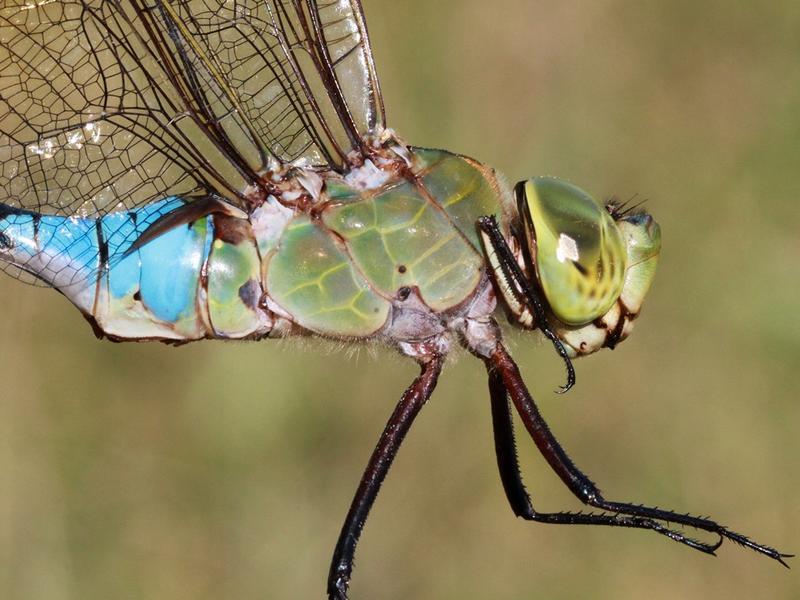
(112, 104)
(296, 77)
(109, 105)
(334, 32)
(91, 120)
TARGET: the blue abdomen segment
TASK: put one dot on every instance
(152, 293)
(60, 251)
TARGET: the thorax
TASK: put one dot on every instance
(379, 241)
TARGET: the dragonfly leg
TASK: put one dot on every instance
(506, 448)
(505, 380)
(520, 501)
(412, 401)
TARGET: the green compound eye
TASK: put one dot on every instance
(577, 249)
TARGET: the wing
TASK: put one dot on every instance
(111, 104)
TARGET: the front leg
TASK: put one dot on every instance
(412, 401)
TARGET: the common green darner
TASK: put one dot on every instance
(197, 170)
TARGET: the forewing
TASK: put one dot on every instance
(304, 74)
(109, 105)
(295, 79)
(92, 121)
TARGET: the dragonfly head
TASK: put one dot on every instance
(592, 264)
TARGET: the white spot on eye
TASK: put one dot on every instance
(567, 249)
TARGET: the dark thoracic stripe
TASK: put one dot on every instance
(102, 246)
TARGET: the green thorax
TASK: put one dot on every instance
(338, 271)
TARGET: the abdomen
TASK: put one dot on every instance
(192, 282)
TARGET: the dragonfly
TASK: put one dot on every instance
(183, 170)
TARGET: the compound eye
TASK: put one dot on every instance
(576, 246)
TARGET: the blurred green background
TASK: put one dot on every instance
(221, 471)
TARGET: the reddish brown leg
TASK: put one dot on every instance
(395, 431)
(505, 380)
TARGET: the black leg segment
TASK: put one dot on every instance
(520, 501)
(395, 431)
(527, 291)
(506, 381)
(505, 447)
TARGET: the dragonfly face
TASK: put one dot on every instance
(594, 264)
(193, 169)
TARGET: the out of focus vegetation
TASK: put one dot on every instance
(221, 471)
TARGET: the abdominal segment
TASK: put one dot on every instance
(194, 281)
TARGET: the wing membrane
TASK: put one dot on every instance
(108, 105)
(302, 71)
(343, 34)
(91, 120)
(111, 104)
